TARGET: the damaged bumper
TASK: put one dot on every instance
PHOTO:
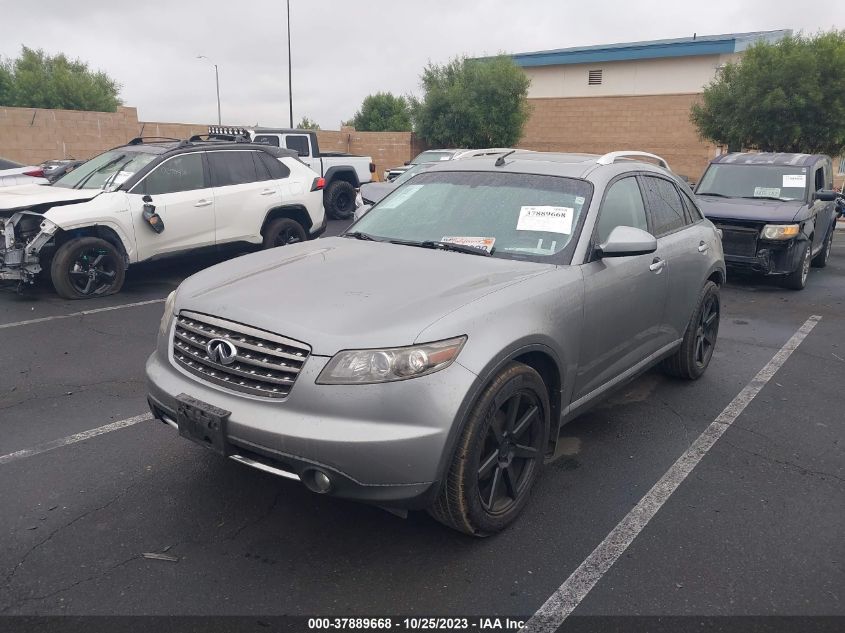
(22, 236)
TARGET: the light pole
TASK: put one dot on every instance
(217, 82)
(290, 75)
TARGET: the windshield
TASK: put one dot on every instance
(431, 156)
(515, 216)
(106, 171)
(781, 182)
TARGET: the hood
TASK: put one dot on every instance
(375, 191)
(340, 293)
(44, 196)
(715, 208)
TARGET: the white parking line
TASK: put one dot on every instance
(72, 439)
(569, 595)
(81, 313)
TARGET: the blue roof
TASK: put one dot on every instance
(654, 49)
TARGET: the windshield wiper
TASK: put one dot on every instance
(764, 198)
(707, 193)
(444, 246)
(358, 235)
(113, 161)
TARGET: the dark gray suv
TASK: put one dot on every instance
(428, 357)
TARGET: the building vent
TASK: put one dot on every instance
(594, 78)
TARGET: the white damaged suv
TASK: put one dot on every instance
(152, 198)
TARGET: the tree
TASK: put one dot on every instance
(473, 103)
(307, 124)
(38, 80)
(383, 112)
(784, 97)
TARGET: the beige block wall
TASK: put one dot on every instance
(387, 149)
(656, 123)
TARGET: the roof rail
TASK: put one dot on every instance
(210, 138)
(610, 157)
(139, 140)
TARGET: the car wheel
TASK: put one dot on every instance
(340, 200)
(87, 267)
(282, 232)
(820, 260)
(691, 359)
(499, 454)
(797, 279)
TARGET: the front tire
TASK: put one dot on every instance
(339, 200)
(87, 267)
(797, 279)
(692, 358)
(499, 454)
(282, 232)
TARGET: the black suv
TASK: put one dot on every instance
(777, 212)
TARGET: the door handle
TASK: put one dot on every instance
(267, 192)
(657, 265)
(703, 247)
(202, 202)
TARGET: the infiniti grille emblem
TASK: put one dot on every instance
(221, 351)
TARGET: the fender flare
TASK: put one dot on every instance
(334, 173)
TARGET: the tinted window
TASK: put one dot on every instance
(261, 170)
(232, 168)
(267, 140)
(277, 169)
(622, 206)
(781, 182)
(8, 164)
(819, 178)
(665, 206)
(180, 173)
(692, 213)
(298, 143)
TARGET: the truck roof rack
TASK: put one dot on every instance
(210, 138)
(610, 157)
(227, 130)
(140, 140)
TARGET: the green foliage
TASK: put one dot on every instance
(38, 80)
(782, 97)
(473, 103)
(307, 124)
(383, 112)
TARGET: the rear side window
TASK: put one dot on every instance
(277, 169)
(693, 215)
(819, 179)
(622, 206)
(232, 168)
(266, 139)
(665, 206)
(180, 173)
(298, 143)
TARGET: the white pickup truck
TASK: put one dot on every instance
(344, 173)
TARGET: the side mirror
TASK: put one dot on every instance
(625, 241)
(826, 195)
(150, 216)
(147, 199)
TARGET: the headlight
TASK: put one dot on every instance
(168, 312)
(780, 231)
(365, 366)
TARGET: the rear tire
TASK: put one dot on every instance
(692, 358)
(820, 260)
(339, 200)
(282, 232)
(87, 267)
(797, 279)
(499, 454)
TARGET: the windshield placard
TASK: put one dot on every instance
(794, 180)
(767, 192)
(484, 243)
(546, 219)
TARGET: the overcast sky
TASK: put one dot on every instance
(345, 50)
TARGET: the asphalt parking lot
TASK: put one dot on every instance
(755, 529)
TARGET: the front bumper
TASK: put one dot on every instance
(382, 444)
(20, 261)
(746, 251)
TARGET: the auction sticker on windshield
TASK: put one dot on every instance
(546, 219)
(794, 180)
(484, 243)
(400, 196)
(767, 192)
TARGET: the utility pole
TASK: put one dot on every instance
(217, 83)
(290, 75)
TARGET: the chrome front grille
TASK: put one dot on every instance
(265, 364)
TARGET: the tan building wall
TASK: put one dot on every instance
(655, 123)
(32, 135)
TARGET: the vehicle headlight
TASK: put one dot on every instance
(168, 313)
(366, 366)
(780, 231)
